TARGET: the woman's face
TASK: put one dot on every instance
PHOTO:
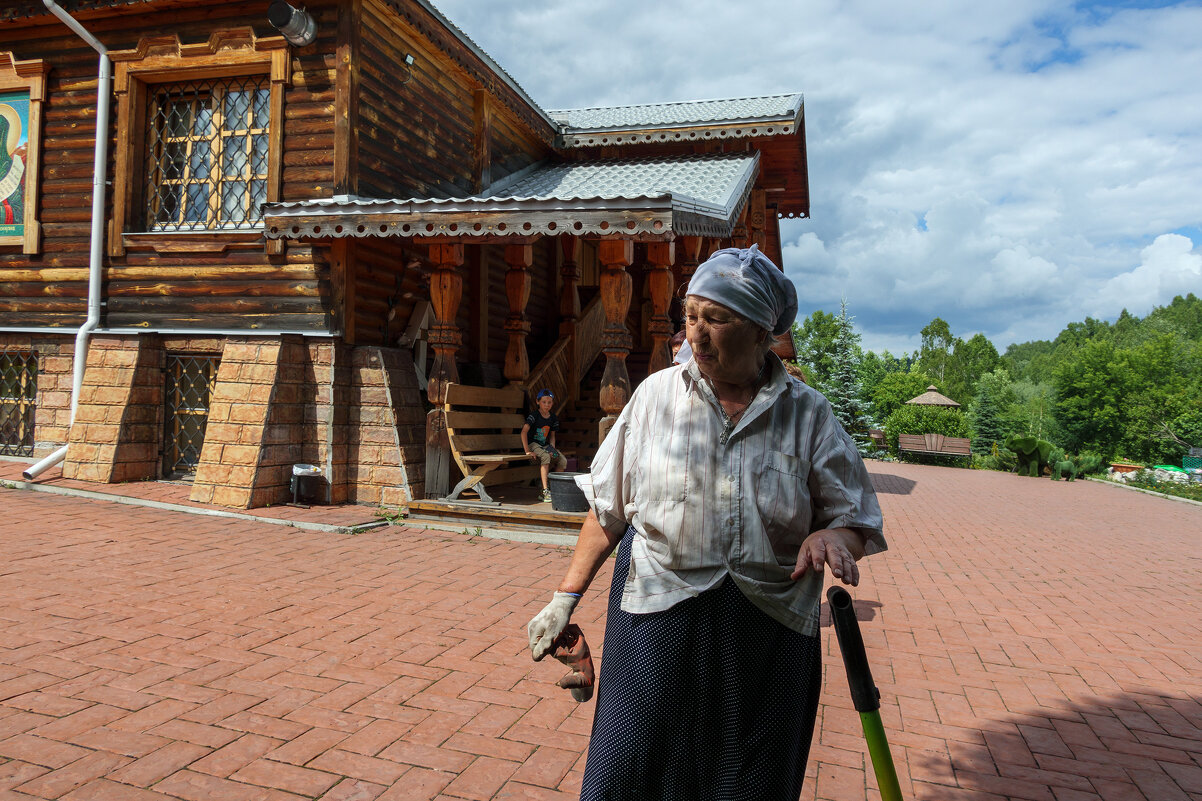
(725, 345)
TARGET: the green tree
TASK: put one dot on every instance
(936, 350)
(987, 416)
(895, 389)
(1090, 388)
(814, 340)
(1033, 411)
(874, 367)
(970, 360)
(843, 387)
(1028, 361)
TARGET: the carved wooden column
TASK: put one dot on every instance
(615, 256)
(517, 290)
(691, 256)
(569, 302)
(446, 290)
(756, 218)
(660, 256)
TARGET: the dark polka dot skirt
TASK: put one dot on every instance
(711, 700)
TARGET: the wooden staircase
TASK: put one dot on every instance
(578, 422)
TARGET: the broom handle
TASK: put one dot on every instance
(864, 694)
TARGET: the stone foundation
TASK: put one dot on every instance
(52, 418)
(356, 412)
(118, 420)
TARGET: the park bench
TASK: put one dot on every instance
(936, 444)
(484, 430)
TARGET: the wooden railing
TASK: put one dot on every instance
(562, 369)
(554, 373)
(588, 338)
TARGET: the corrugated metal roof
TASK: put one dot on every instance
(707, 183)
(708, 180)
(550, 198)
(729, 111)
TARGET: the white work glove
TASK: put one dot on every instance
(548, 624)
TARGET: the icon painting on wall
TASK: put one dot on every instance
(14, 150)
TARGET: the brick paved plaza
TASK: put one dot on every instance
(1031, 640)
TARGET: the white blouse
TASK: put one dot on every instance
(707, 498)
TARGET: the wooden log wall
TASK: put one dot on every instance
(238, 287)
(416, 124)
(386, 288)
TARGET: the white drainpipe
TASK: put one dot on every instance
(104, 91)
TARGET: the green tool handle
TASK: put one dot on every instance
(864, 694)
(882, 759)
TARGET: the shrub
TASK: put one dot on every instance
(1089, 462)
(998, 458)
(913, 419)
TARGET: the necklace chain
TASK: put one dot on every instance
(729, 418)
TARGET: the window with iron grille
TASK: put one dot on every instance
(188, 392)
(18, 401)
(207, 148)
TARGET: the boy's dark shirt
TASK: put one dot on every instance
(541, 427)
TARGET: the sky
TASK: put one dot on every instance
(1009, 167)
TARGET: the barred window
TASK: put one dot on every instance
(207, 154)
(18, 399)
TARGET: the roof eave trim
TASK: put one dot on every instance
(649, 217)
(600, 137)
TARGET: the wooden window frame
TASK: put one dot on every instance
(28, 76)
(208, 95)
(163, 59)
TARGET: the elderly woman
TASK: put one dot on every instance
(730, 487)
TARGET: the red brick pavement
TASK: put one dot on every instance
(175, 494)
(1031, 640)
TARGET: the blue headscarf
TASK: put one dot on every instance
(746, 281)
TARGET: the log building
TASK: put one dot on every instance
(305, 241)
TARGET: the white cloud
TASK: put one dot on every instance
(1049, 149)
(1170, 266)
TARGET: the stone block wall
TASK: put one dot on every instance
(356, 412)
(386, 422)
(118, 422)
(52, 415)
(239, 409)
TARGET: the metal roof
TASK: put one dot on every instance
(769, 115)
(690, 195)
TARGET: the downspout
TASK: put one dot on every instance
(104, 91)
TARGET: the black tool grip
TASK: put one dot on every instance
(864, 694)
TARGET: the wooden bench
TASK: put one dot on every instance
(936, 444)
(484, 428)
(878, 438)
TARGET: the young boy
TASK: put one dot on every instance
(538, 439)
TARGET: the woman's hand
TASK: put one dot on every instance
(837, 547)
(550, 623)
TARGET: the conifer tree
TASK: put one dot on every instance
(843, 390)
(987, 424)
